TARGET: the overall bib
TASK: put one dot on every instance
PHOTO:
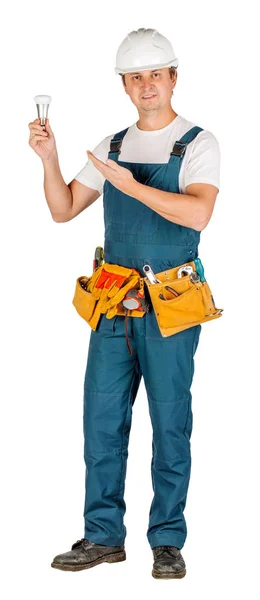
(136, 235)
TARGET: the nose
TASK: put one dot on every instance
(147, 88)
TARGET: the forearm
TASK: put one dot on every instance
(57, 192)
(183, 209)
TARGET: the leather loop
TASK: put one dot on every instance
(127, 338)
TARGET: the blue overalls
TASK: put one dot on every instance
(136, 235)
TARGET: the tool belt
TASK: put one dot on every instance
(104, 291)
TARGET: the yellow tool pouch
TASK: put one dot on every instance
(104, 291)
(194, 304)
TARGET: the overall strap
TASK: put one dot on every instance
(116, 144)
(180, 146)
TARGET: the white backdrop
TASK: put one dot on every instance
(67, 50)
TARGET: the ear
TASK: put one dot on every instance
(124, 86)
(175, 79)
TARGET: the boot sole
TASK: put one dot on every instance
(109, 558)
(168, 575)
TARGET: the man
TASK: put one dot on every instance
(158, 197)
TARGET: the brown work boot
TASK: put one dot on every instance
(168, 563)
(85, 554)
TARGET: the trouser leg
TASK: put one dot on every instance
(111, 383)
(167, 365)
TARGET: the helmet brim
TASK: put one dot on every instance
(173, 63)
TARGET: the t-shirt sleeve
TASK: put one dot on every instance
(203, 164)
(89, 175)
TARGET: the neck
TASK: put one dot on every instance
(151, 120)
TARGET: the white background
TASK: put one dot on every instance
(67, 50)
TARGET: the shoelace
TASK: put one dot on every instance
(170, 550)
(79, 543)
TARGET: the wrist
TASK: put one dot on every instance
(134, 188)
(53, 159)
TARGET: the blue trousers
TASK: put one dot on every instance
(111, 383)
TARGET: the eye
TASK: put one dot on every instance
(136, 76)
(156, 74)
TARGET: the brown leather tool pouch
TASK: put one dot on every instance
(83, 300)
(91, 300)
(192, 306)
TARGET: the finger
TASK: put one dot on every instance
(39, 131)
(36, 123)
(100, 166)
(95, 160)
(98, 163)
(35, 126)
(47, 124)
(109, 162)
(37, 137)
(113, 164)
(105, 171)
(91, 155)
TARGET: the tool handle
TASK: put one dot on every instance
(200, 269)
(174, 292)
(99, 255)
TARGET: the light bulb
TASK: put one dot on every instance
(42, 103)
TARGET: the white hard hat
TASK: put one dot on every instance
(144, 49)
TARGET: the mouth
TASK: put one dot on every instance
(148, 97)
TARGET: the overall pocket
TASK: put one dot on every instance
(83, 300)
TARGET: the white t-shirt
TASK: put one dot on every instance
(201, 162)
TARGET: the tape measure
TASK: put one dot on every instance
(135, 300)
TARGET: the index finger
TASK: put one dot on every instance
(93, 157)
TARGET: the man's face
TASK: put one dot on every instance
(150, 90)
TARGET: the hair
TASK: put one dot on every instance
(171, 71)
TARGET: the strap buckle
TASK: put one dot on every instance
(178, 149)
(115, 145)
